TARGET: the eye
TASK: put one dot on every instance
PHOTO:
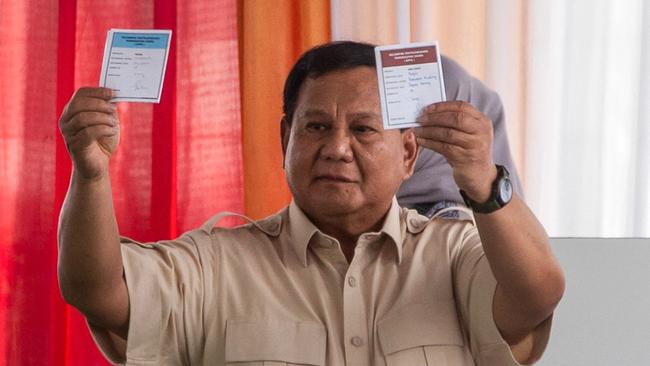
(316, 126)
(364, 129)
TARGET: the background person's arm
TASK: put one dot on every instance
(530, 281)
(90, 263)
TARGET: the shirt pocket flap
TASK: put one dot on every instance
(300, 342)
(418, 325)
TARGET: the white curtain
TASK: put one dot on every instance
(574, 77)
(588, 115)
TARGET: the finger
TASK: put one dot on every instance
(456, 120)
(451, 152)
(447, 135)
(454, 106)
(457, 106)
(91, 134)
(94, 92)
(87, 104)
(100, 131)
(454, 154)
(87, 119)
(83, 100)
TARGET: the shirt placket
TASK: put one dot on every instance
(355, 317)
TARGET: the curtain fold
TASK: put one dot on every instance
(28, 96)
(459, 26)
(488, 38)
(588, 117)
(642, 181)
(178, 162)
(506, 50)
(164, 222)
(65, 81)
(273, 35)
(208, 126)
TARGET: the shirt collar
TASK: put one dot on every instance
(301, 230)
(393, 227)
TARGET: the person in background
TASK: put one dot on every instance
(432, 187)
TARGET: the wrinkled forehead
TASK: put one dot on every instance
(345, 90)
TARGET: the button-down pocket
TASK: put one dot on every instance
(423, 334)
(275, 342)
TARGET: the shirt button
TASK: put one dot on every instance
(356, 341)
(352, 281)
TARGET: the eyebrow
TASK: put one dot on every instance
(321, 113)
(314, 113)
(362, 115)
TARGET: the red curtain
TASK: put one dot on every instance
(178, 162)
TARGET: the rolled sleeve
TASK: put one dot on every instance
(475, 287)
(165, 287)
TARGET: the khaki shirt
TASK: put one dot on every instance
(280, 292)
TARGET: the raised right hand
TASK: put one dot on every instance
(91, 130)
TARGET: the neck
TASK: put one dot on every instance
(346, 228)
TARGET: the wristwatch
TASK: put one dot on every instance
(500, 196)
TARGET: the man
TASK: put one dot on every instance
(341, 276)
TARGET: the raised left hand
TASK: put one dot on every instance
(463, 135)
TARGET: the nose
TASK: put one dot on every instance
(337, 146)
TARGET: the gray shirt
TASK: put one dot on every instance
(433, 181)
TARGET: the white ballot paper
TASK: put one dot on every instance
(134, 64)
(410, 78)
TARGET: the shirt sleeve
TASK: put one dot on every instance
(165, 287)
(474, 286)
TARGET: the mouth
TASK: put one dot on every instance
(334, 178)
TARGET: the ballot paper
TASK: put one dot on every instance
(134, 64)
(410, 78)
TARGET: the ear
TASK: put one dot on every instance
(411, 152)
(285, 131)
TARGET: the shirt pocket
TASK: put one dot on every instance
(423, 334)
(275, 342)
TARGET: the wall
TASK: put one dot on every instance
(604, 318)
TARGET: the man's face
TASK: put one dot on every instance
(338, 158)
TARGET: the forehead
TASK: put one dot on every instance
(351, 88)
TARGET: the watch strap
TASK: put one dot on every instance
(493, 203)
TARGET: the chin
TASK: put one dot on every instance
(334, 208)
(328, 205)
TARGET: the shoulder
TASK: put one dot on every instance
(252, 235)
(453, 72)
(209, 237)
(423, 228)
(269, 227)
(460, 85)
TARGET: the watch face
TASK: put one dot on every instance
(505, 191)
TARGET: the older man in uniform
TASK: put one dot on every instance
(343, 275)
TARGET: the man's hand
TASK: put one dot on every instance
(91, 130)
(463, 135)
